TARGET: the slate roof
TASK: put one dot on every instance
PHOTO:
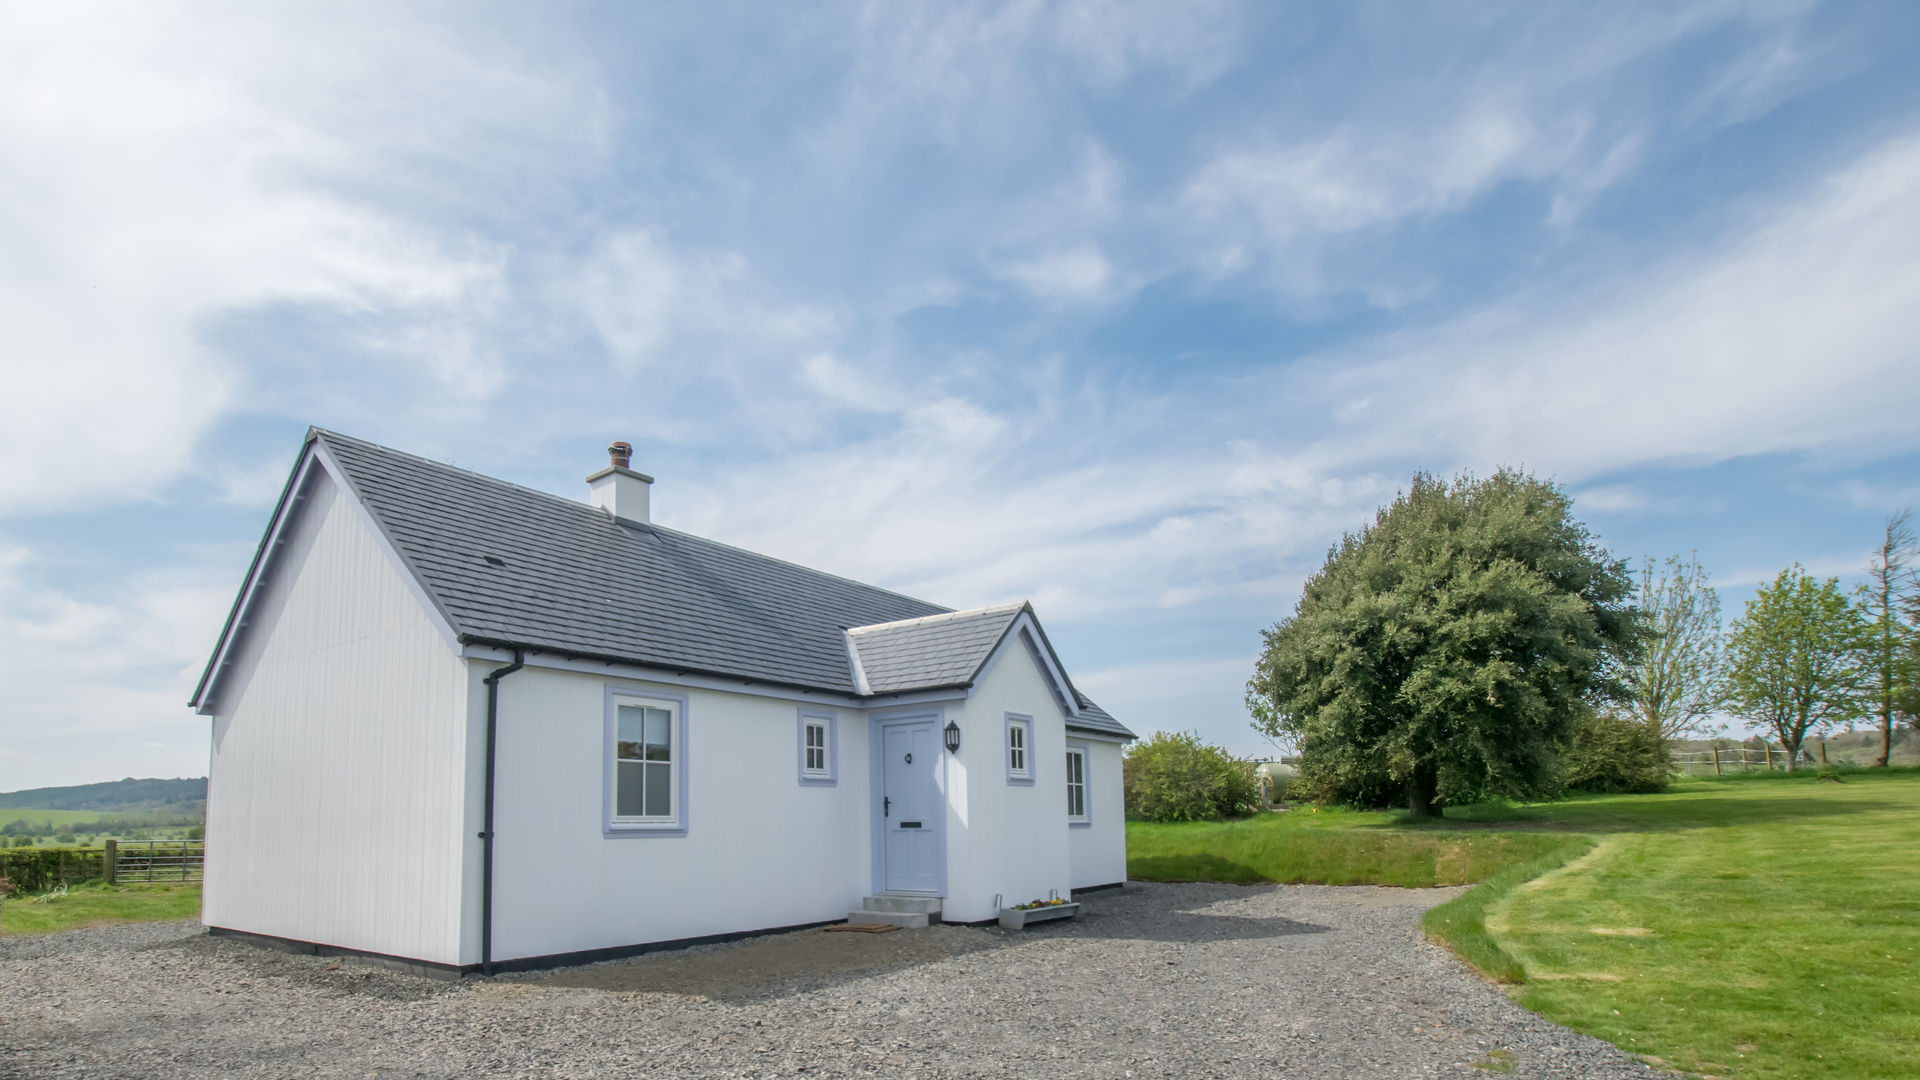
(950, 649)
(510, 566)
(933, 650)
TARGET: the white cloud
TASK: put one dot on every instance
(1068, 275)
(1345, 182)
(95, 680)
(165, 171)
(1796, 336)
(653, 302)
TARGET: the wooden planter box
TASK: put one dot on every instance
(1016, 918)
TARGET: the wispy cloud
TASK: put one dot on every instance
(162, 176)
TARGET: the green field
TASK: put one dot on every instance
(96, 904)
(43, 824)
(1764, 926)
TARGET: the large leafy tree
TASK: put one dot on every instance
(1890, 643)
(1795, 659)
(1675, 682)
(1445, 652)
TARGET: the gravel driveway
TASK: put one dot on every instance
(1182, 981)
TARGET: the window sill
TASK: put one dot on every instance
(819, 781)
(1079, 824)
(1020, 781)
(626, 829)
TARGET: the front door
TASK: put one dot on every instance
(910, 806)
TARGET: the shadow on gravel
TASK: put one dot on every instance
(1176, 927)
(779, 965)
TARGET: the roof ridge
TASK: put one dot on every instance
(1010, 605)
(598, 512)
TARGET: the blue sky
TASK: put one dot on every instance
(1127, 309)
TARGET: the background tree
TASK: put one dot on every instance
(1444, 653)
(1890, 642)
(1173, 776)
(1676, 682)
(1794, 660)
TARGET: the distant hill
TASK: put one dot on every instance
(127, 796)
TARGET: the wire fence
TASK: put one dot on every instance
(1739, 759)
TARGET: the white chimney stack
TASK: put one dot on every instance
(619, 490)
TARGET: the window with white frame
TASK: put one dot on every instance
(645, 756)
(1019, 748)
(816, 763)
(1077, 786)
(818, 766)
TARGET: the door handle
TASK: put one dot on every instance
(886, 805)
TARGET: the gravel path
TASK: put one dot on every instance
(1185, 981)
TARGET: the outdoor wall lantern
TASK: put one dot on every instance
(953, 737)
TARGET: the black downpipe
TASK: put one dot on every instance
(486, 833)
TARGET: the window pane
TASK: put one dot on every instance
(659, 735)
(627, 739)
(626, 789)
(659, 800)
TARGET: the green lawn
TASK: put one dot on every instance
(1764, 926)
(1761, 928)
(1330, 847)
(96, 904)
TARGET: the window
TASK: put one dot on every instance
(1019, 748)
(643, 764)
(818, 764)
(1077, 786)
(646, 775)
(816, 747)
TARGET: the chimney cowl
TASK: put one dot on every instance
(621, 454)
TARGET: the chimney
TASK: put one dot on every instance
(619, 490)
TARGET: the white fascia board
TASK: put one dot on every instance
(1082, 734)
(265, 563)
(1027, 629)
(670, 677)
(428, 604)
(859, 670)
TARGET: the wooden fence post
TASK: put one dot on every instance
(110, 860)
(1769, 757)
(1823, 754)
(1716, 761)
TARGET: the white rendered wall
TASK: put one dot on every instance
(1099, 849)
(1006, 838)
(761, 850)
(334, 807)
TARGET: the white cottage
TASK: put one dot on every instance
(465, 724)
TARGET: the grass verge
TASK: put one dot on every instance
(97, 904)
(1461, 923)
